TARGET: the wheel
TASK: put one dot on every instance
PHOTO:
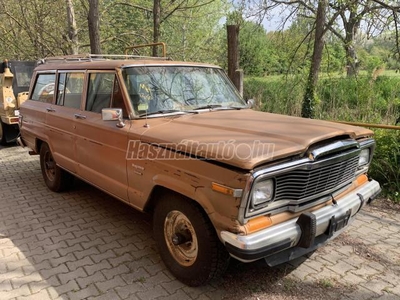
(56, 179)
(3, 140)
(187, 241)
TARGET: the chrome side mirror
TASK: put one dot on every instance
(113, 114)
(251, 103)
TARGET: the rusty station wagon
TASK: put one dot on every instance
(175, 139)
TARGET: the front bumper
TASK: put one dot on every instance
(298, 236)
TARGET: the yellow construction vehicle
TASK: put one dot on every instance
(15, 78)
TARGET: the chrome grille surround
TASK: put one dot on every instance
(306, 182)
(303, 184)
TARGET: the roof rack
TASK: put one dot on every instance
(95, 57)
(92, 57)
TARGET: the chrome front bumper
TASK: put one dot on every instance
(287, 239)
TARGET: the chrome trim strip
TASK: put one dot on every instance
(290, 230)
(334, 147)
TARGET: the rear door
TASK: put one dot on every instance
(101, 145)
(62, 115)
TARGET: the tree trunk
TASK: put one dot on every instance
(233, 54)
(307, 110)
(351, 27)
(94, 27)
(72, 30)
(351, 58)
(156, 24)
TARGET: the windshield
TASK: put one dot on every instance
(179, 88)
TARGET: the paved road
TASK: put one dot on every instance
(84, 244)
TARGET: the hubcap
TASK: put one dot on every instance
(180, 238)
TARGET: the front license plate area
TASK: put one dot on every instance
(338, 223)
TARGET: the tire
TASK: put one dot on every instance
(3, 128)
(55, 178)
(188, 243)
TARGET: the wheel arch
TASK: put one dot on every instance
(38, 145)
(158, 191)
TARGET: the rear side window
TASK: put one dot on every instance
(70, 89)
(44, 88)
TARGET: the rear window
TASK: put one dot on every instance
(44, 88)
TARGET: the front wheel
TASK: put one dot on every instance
(55, 178)
(187, 241)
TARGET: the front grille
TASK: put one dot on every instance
(305, 184)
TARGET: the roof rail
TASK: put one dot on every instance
(163, 45)
(92, 57)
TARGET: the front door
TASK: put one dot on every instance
(101, 145)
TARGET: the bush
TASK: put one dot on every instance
(385, 166)
(276, 94)
(359, 99)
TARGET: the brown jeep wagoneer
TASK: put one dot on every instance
(176, 139)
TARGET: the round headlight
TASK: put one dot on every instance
(263, 191)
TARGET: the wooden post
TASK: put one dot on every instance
(233, 56)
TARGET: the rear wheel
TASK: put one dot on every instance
(187, 240)
(55, 178)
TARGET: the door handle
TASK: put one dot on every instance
(49, 109)
(79, 116)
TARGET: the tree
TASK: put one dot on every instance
(94, 27)
(309, 96)
(344, 19)
(30, 29)
(254, 49)
(72, 29)
(189, 27)
(156, 23)
(193, 32)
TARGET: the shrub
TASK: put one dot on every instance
(385, 166)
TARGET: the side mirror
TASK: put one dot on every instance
(113, 114)
(251, 103)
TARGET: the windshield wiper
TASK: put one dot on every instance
(210, 106)
(218, 107)
(237, 107)
(164, 111)
(167, 111)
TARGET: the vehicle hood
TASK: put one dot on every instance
(243, 138)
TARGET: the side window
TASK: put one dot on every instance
(99, 91)
(118, 100)
(70, 89)
(44, 88)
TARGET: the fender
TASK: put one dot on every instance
(196, 193)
